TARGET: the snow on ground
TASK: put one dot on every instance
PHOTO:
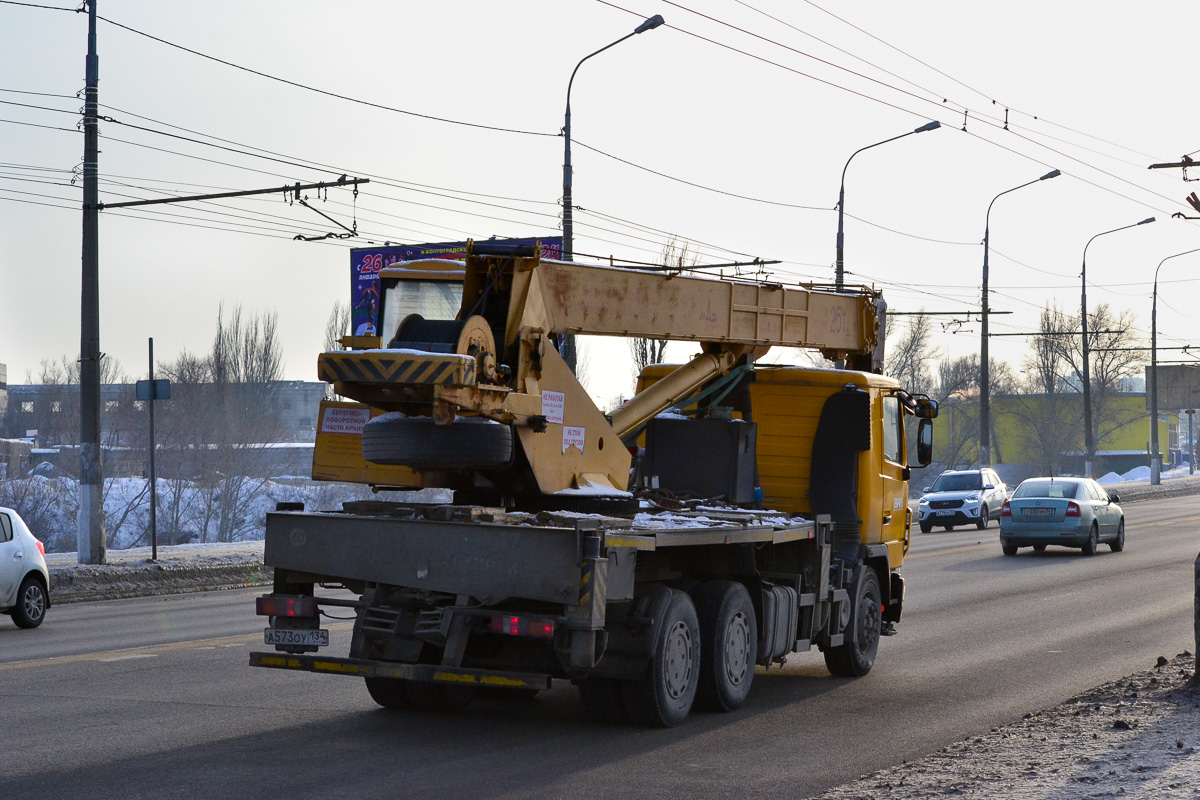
(1143, 474)
(1137, 738)
(230, 510)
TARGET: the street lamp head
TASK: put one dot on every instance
(650, 24)
(1051, 174)
(1149, 219)
(928, 126)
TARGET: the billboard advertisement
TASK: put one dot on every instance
(365, 263)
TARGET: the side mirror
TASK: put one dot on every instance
(925, 441)
(1112, 498)
(925, 490)
(988, 487)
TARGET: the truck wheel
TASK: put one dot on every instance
(31, 603)
(856, 656)
(984, 519)
(602, 700)
(664, 697)
(437, 697)
(728, 644)
(389, 692)
(1093, 541)
(466, 443)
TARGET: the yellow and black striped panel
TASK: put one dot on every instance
(439, 369)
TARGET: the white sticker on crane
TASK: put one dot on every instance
(344, 420)
(553, 404)
(573, 436)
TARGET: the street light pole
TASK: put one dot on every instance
(1155, 456)
(1089, 444)
(985, 407)
(839, 271)
(568, 218)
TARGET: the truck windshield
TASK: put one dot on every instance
(431, 299)
(957, 483)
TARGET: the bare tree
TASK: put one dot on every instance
(1117, 352)
(337, 326)
(1048, 412)
(246, 358)
(957, 392)
(910, 359)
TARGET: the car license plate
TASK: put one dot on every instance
(1039, 512)
(312, 638)
(945, 512)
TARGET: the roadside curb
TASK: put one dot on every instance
(147, 579)
(1132, 493)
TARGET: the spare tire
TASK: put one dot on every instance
(466, 443)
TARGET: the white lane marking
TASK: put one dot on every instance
(127, 658)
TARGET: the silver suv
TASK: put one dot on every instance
(962, 497)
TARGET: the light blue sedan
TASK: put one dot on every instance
(1071, 512)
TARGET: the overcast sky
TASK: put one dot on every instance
(771, 111)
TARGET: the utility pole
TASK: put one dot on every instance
(90, 538)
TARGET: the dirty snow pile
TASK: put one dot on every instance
(1137, 738)
(1142, 473)
(178, 569)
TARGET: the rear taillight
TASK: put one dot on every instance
(283, 606)
(41, 547)
(1006, 510)
(1073, 509)
(538, 628)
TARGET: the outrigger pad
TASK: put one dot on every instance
(843, 431)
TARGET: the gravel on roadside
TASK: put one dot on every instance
(1137, 738)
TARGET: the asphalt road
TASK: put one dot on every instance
(152, 698)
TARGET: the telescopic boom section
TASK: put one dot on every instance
(498, 359)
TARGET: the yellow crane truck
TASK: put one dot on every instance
(546, 566)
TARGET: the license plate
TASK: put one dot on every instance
(312, 638)
(1039, 512)
(946, 513)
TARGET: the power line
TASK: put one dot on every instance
(323, 91)
(968, 87)
(697, 185)
(37, 5)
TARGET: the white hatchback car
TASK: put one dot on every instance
(24, 579)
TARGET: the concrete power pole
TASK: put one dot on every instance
(90, 530)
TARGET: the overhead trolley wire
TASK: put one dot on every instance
(325, 92)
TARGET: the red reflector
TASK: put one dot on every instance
(541, 628)
(282, 606)
(523, 626)
(1005, 510)
(1073, 509)
(41, 547)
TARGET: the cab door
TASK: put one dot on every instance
(892, 482)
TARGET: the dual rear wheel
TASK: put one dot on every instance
(704, 655)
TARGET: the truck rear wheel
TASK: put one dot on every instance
(664, 696)
(855, 657)
(468, 442)
(389, 692)
(728, 644)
